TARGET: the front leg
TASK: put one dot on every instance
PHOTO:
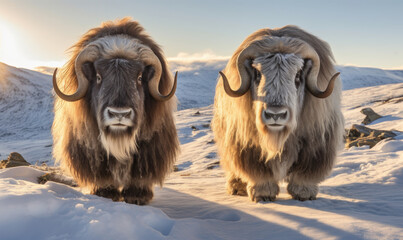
(262, 192)
(139, 195)
(315, 161)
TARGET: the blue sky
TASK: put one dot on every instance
(361, 33)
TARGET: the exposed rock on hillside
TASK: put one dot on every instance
(14, 160)
(359, 135)
(370, 115)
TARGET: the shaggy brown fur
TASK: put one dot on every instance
(308, 153)
(76, 133)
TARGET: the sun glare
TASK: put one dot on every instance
(9, 52)
(13, 52)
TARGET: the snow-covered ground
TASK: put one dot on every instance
(361, 199)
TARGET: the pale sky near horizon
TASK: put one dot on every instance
(361, 33)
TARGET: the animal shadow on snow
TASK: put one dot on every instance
(381, 203)
(215, 220)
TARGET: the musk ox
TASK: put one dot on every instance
(278, 124)
(114, 126)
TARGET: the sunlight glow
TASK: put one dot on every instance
(12, 50)
(205, 56)
(9, 52)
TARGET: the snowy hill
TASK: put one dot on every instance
(362, 199)
(198, 81)
(358, 77)
(26, 113)
(25, 98)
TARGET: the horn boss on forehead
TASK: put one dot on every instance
(279, 45)
(272, 120)
(114, 128)
(92, 52)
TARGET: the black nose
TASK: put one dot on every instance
(275, 116)
(119, 112)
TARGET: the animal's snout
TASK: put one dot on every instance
(275, 116)
(118, 118)
(119, 113)
(269, 114)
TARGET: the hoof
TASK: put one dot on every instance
(138, 196)
(263, 192)
(303, 192)
(108, 192)
(263, 199)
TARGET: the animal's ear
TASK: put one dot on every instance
(148, 73)
(306, 69)
(89, 70)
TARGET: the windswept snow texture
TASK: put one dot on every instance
(361, 199)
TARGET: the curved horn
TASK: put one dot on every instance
(237, 93)
(259, 46)
(323, 94)
(248, 53)
(307, 52)
(149, 58)
(89, 54)
(284, 45)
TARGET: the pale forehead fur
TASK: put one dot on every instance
(120, 45)
(278, 73)
(279, 63)
(277, 88)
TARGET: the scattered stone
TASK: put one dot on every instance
(206, 125)
(370, 115)
(14, 160)
(176, 169)
(54, 177)
(194, 128)
(44, 178)
(359, 136)
(197, 113)
(211, 141)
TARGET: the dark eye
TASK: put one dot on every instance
(258, 75)
(99, 78)
(298, 79)
(140, 79)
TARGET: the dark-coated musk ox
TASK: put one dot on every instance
(278, 124)
(114, 126)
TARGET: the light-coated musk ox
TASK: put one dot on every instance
(114, 126)
(278, 124)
